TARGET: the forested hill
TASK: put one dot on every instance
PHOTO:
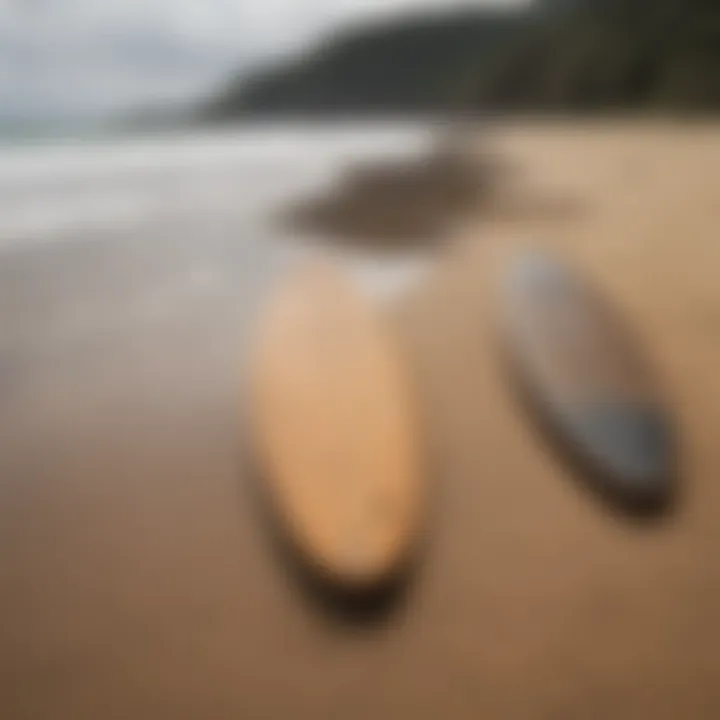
(581, 55)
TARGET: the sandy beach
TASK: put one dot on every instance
(137, 579)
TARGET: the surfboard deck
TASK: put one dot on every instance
(586, 377)
(336, 429)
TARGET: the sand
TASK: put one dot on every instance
(137, 578)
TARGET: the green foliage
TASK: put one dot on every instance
(557, 55)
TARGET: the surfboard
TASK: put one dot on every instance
(585, 376)
(336, 429)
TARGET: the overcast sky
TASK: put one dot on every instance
(95, 56)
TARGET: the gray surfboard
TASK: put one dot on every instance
(586, 381)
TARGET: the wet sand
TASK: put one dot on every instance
(137, 576)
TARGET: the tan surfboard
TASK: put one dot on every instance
(336, 429)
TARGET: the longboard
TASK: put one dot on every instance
(336, 429)
(585, 376)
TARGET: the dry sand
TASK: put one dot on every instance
(136, 577)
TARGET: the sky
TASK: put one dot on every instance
(94, 57)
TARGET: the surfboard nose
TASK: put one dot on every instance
(633, 441)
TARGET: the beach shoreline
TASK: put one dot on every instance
(137, 577)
